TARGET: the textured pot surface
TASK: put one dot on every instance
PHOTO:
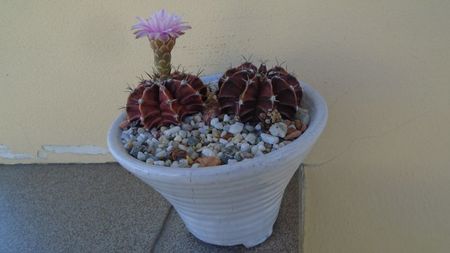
(229, 204)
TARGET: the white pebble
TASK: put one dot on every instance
(161, 154)
(182, 134)
(197, 118)
(141, 156)
(255, 150)
(171, 131)
(226, 118)
(178, 138)
(258, 127)
(245, 147)
(267, 138)
(150, 161)
(251, 138)
(208, 152)
(249, 128)
(278, 129)
(236, 128)
(195, 165)
(216, 123)
(160, 163)
(223, 141)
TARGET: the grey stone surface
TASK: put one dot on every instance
(77, 208)
(285, 238)
(103, 208)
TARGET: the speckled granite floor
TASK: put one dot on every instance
(103, 208)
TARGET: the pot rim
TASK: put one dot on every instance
(301, 145)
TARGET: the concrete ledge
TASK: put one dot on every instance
(103, 208)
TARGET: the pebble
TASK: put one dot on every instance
(278, 129)
(237, 138)
(182, 134)
(226, 118)
(192, 141)
(251, 138)
(149, 161)
(245, 147)
(293, 135)
(197, 118)
(249, 128)
(171, 131)
(267, 138)
(236, 128)
(161, 154)
(178, 138)
(216, 123)
(141, 156)
(208, 152)
(159, 163)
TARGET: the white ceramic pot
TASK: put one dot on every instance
(229, 204)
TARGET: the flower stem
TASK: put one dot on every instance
(162, 56)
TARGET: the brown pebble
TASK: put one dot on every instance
(303, 128)
(290, 130)
(208, 161)
(178, 154)
(287, 122)
(293, 135)
(228, 136)
(298, 124)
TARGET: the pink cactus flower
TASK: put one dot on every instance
(160, 26)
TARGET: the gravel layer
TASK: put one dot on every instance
(224, 140)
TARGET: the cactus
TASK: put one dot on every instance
(163, 102)
(250, 93)
(167, 97)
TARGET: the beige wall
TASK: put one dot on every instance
(382, 183)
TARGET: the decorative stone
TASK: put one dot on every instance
(171, 131)
(161, 154)
(216, 123)
(293, 135)
(251, 138)
(149, 161)
(141, 156)
(267, 138)
(182, 134)
(226, 118)
(278, 129)
(208, 161)
(159, 163)
(208, 152)
(236, 128)
(245, 147)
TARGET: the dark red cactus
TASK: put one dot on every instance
(246, 92)
(165, 102)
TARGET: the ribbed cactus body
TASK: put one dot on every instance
(165, 102)
(247, 92)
